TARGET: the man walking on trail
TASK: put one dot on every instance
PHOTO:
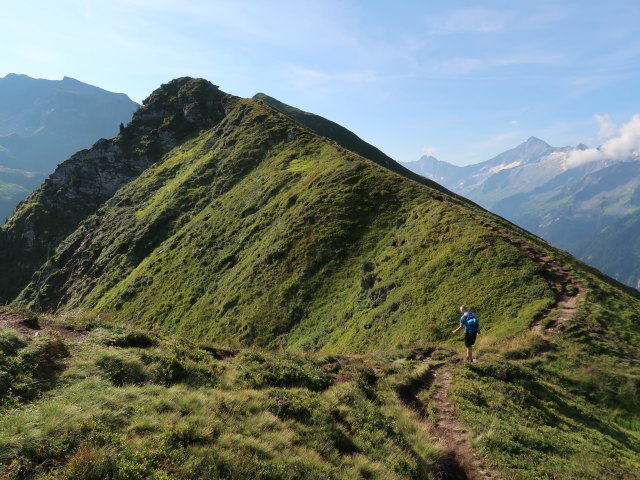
(471, 329)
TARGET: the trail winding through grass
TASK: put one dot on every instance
(462, 462)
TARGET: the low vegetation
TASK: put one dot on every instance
(168, 408)
(112, 402)
(218, 317)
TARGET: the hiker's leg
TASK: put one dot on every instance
(470, 353)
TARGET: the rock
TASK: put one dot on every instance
(368, 266)
(367, 281)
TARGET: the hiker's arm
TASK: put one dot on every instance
(457, 329)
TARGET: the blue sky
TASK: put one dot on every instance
(464, 80)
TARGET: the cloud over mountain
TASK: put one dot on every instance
(623, 145)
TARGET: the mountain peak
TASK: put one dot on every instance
(15, 77)
(536, 141)
(184, 88)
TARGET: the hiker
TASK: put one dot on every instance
(471, 329)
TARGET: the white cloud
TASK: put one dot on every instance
(624, 145)
(467, 20)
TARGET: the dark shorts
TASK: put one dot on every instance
(469, 339)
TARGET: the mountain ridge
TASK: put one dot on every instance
(81, 184)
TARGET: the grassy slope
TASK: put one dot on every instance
(256, 233)
(345, 138)
(571, 407)
(171, 410)
(123, 404)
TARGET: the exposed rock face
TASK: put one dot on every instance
(80, 185)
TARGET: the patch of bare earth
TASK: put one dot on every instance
(33, 328)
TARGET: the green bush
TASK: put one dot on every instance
(28, 368)
(290, 405)
(10, 342)
(131, 339)
(501, 370)
(168, 369)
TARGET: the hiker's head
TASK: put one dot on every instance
(463, 308)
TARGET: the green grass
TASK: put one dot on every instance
(172, 411)
(28, 368)
(129, 403)
(531, 424)
(257, 234)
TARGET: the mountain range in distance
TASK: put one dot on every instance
(43, 122)
(589, 208)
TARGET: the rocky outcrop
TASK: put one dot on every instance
(81, 184)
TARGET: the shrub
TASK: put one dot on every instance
(289, 405)
(26, 369)
(132, 339)
(168, 370)
(501, 370)
(10, 342)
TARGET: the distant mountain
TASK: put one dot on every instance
(42, 122)
(589, 209)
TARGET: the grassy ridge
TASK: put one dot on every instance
(259, 232)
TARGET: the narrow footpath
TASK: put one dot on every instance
(462, 462)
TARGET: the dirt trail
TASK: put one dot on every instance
(32, 328)
(566, 288)
(461, 463)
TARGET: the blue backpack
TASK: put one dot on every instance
(471, 325)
